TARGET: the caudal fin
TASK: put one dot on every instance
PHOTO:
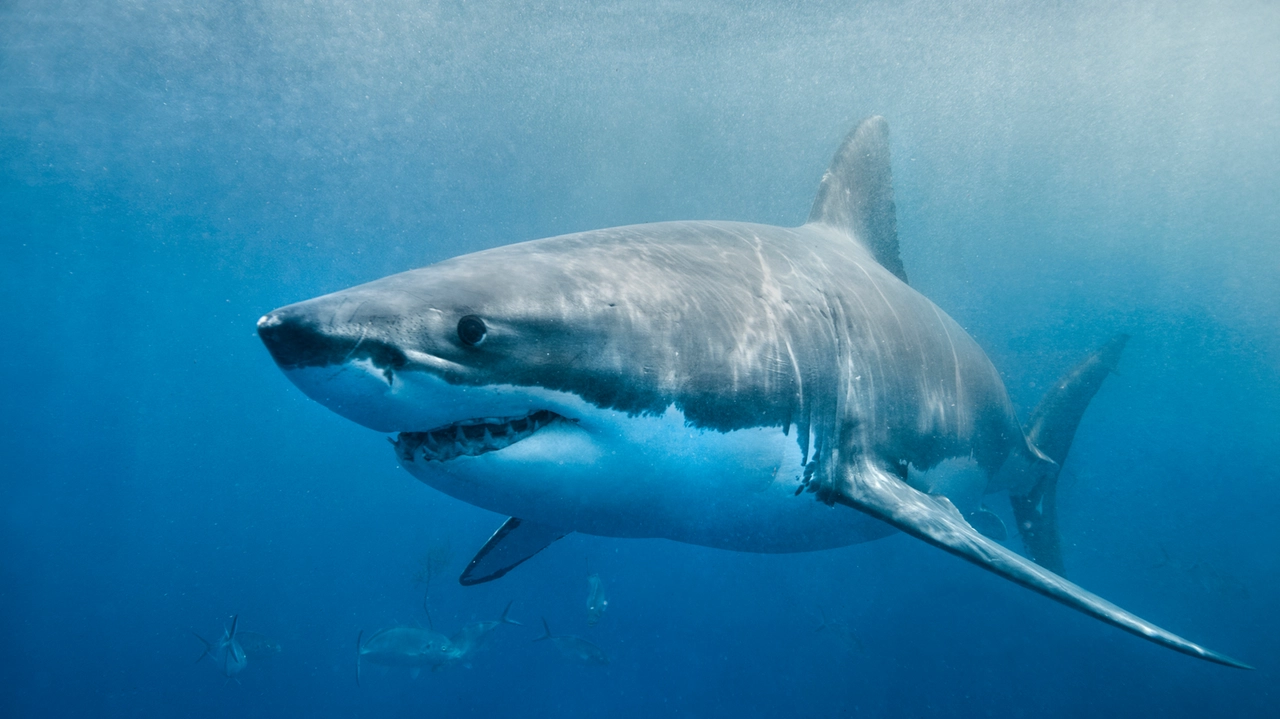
(1051, 429)
(505, 619)
(359, 647)
(207, 647)
(234, 654)
(546, 628)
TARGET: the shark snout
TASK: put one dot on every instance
(296, 340)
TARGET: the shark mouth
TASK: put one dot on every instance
(472, 437)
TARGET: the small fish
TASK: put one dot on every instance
(257, 646)
(411, 647)
(596, 601)
(227, 653)
(473, 636)
(575, 648)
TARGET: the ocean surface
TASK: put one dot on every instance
(170, 171)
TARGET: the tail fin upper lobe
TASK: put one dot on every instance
(1051, 428)
(506, 618)
(546, 628)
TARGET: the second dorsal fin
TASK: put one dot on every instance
(856, 195)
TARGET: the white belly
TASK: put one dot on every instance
(620, 476)
(607, 473)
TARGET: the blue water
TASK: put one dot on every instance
(169, 171)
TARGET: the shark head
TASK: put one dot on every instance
(446, 346)
(564, 373)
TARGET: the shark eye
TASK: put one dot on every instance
(471, 330)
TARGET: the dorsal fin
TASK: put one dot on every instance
(856, 194)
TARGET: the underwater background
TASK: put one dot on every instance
(170, 171)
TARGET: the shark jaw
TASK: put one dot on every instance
(435, 422)
(472, 437)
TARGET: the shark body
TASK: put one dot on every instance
(726, 384)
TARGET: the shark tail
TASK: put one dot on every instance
(546, 628)
(207, 647)
(234, 652)
(1051, 429)
(506, 618)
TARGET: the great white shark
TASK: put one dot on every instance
(719, 383)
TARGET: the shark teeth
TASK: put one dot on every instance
(471, 437)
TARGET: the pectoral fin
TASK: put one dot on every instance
(882, 495)
(514, 542)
